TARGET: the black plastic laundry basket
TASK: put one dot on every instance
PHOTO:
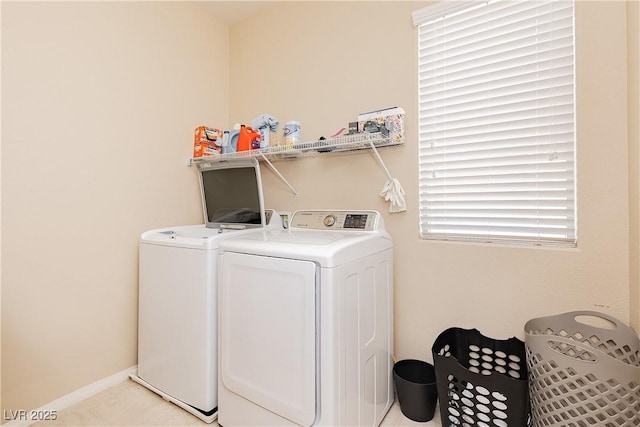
(481, 381)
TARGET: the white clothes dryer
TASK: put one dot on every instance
(178, 272)
(306, 323)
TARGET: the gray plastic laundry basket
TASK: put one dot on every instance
(581, 375)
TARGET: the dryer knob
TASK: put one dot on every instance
(329, 220)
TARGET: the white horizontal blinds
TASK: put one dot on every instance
(496, 114)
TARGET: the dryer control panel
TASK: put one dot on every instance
(336, 220)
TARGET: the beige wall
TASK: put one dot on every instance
(322, 63)
(100, 100)
(1, 213)
(633, 37)
(99, 103)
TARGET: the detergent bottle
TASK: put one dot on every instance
(244, 139)
(248, 138)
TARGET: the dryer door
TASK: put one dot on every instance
(268, 333)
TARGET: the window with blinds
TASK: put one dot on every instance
(497, 121)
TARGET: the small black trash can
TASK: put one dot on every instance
(416, 387)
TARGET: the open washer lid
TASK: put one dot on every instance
(232, 193)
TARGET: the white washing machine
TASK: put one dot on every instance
(305, 323)
(177, 330)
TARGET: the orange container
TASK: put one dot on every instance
(247, 137)
(206, 141)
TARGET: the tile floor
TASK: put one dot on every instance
(128, 404)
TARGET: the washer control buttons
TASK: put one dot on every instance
(329, 220)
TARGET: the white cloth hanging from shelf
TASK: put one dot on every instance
(392, 192)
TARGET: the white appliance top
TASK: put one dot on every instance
(329, 238)
(200, 236)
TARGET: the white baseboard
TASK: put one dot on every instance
(72, 398)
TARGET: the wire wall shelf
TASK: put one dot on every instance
(341, 144)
